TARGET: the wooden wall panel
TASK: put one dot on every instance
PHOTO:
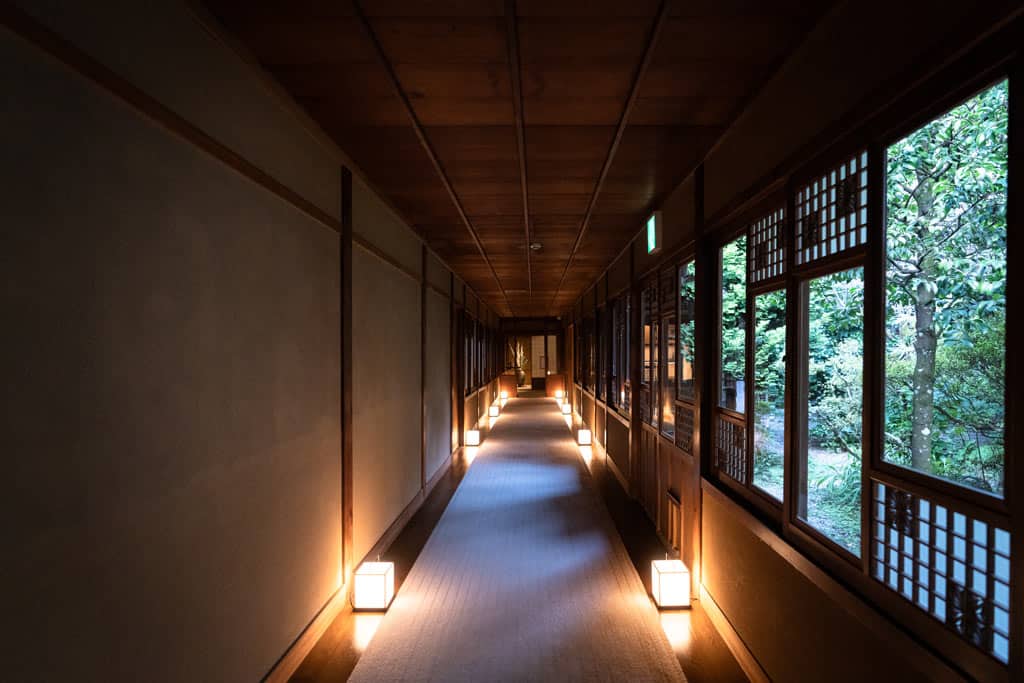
(790, 111)
(794, 628)
(618, 444)
(618, 275)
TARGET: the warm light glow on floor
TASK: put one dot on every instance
(677, 628)
(469, 453)
(587, 452)
(366, 624)
(491, 422)
(568, 421)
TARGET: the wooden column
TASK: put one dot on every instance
(635, 359)
(705, 339)
(345, 292)
(423, 366)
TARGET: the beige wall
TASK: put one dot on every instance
(386, 419)
(438, 388)
(171, 362)
(172, 338)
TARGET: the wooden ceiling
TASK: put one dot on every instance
(490, 124)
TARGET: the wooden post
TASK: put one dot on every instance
(345, 292)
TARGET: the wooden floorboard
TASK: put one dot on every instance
(700, 649)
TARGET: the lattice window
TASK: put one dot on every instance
(954, 567)
(766, 249)
(684, 428)
(832, 211)
(730, 448)
(645, 405)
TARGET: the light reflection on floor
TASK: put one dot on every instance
(366, 624)
(676, 625)
(587, 453)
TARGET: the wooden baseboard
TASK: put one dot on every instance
(310, 636)
(751, 667)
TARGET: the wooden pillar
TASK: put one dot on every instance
(345, 292)
(423, 366)
(635, 359)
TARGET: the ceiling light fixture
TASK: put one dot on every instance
(536, 246)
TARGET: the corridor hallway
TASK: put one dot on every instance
(270, 268)
(525, 577)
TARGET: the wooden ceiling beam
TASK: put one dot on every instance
(421, 135)
(634, 92)
(515, 71)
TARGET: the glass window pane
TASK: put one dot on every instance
(684, 366)
(833, 384)
(668, 415)
(734, 334)
(945, 355)
(769, 391)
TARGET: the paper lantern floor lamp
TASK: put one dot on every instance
(494, 410)
(374, 586)
(670, 583)
(472, 437)
(566, 409)
(583, 437)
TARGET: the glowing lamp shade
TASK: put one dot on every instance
(374, 586)
(559, 393)
(670, 583)
(583, 437)
(472, 437)
(566, 409)
(504, 395)
(494, 410)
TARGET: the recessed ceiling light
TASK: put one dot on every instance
(536, 246)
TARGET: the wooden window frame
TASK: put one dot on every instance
(927, 100)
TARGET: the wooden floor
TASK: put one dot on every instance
(697, 646)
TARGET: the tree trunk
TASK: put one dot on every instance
(925, 342)
(925, 339)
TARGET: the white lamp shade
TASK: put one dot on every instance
(472, 437)
(566, 409)
(374, 586)
(559, 393)
(504, 394)
(583, 437)
(670, 583)
(494, 410)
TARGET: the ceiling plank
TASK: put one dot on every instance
(425, 142)
(515, 69)
(634, 93)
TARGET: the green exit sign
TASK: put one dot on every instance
(654, 233)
